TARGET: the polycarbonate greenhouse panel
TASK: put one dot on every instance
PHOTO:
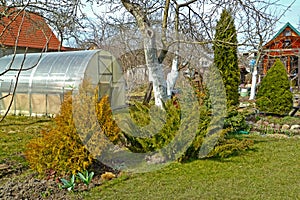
(46, 72)
(46, 77)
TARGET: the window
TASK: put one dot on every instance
(287, 33)
(287, 43)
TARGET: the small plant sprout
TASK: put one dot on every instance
(86, 177)
(69, 185)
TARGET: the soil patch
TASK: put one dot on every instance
(21, 183)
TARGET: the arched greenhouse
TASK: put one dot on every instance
(46, 77)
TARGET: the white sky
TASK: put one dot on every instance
(292, 16)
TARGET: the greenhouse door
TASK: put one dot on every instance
(105, 76)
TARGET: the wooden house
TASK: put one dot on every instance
(21, 30)
(285, 45)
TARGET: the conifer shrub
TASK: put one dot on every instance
(274, 95)
(193, 150)
(214, 136)
(151, 134)
(230, 146)
(106, 121)
(225, 143)
(67, 147)
(61, 148)
(235, 121)
(140, 113)
(225, 56)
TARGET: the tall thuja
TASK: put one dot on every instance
(274, 95)
(225, 56)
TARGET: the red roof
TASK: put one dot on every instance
(27, 29)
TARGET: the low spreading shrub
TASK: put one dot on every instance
(236, 121)
(230, 146)
(81, 129)
(218, 139)
(214, 136)
(150, 138)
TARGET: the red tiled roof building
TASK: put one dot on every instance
(23, 29)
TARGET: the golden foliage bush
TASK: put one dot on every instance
(61, 148)
(105, 119)
(77, 137)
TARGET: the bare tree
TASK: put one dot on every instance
(168, 20)
(195, 20)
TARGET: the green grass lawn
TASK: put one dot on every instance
(270, 171)
(15, 132)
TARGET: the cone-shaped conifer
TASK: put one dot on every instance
(225, 56)
(274, 95)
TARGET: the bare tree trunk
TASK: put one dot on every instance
(254, 76)
(172, 76)
(156, 74)
(155, 69)
(147, 96)
(253, 83)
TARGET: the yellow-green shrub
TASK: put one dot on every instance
(77, 138)
(61, 148)
(105, 119)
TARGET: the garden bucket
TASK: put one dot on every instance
(244, 92)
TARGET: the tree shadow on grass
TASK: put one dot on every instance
(17, 123)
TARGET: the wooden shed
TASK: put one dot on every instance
(284, 45)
